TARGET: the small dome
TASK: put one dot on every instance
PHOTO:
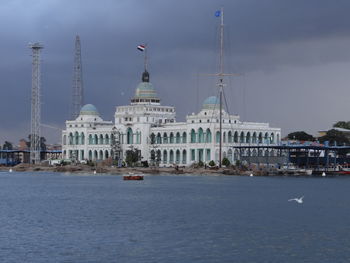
(211, 103)
(89, 109)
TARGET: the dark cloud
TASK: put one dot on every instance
(278, 45)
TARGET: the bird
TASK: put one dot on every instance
(298, 200)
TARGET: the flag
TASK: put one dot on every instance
(141, 47)
(218, 13)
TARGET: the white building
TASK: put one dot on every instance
(148, 126)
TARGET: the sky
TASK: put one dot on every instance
(293, 57)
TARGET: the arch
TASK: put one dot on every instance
(153, 156)
(107, 139)
(171, 157)
(100, 156)
(224, 137)
(91, 141)
(165, 137)
(101, 139)
(184, 157)
(159, 138)
(260, 138)
(235, 137)
(208, 135)
(229, 137)
(70, 138)
(177, 156)
(217, 156)
(65, 154)
(95, 139)
(217, 137)
(64, 141)
(241, 137)
(247, 137)
(129, 136)
(82, 138)
(165, 156)
(266, 138)
(158, 156)
(236, 155)
(272, 138)
(138, 137)
(95, 155)
(278, 138)
(184, 137)
(254, 138)
(76, 138)
(171, 137)
(193, 136)
(178, 138)
(229, 155)
(200, 135)
(153, 138)
(90, 155)
(106, 154)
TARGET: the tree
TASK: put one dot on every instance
(342, 124)
(335, 136)
(226, 162)
(300, 136)
(7, 146)
(132, 157)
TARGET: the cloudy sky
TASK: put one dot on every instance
(294, 56)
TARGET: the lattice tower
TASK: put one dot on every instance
(35, 104)
(78, 92)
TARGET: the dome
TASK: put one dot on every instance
(211, 103)
(89, 109)
(145, 90)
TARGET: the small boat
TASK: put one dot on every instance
(133, 176)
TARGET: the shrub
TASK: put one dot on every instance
(226, 162)
(212, 163)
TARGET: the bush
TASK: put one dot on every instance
(226, 162)
(212, 163)
(200, 164)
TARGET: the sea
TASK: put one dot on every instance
(53, 217)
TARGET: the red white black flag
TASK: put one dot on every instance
(141, 47)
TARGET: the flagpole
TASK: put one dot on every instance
(146, 57)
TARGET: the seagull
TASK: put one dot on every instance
(298, 200)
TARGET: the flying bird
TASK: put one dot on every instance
(298, 200)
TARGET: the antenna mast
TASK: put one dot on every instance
(35, 105)
(78, 91)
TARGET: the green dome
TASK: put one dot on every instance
(89, 109)
(145, 90)
(211, 102)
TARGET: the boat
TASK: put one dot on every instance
(132, 176)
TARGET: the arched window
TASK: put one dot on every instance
(178, 138)
(177, 156)
(82, 138)
(95, 155)
(101, 139)
(229, 137)
(184, 157)
(76, 138)
(153, 138)
(159, 138)
(260, 140)
(158, 156)
(224, 137)
(64, 139)
(171, 159)
(247, 138)
(278, 138)
(171, 137)
(193, 136)
(165, 138)
(106, 139)
(266, 138)
(96, 139)
(106, 154)
(200, 135)
(101, 155)
(235, 137)
(208, 135)
(70, 139)
(184, 137)
(241, 137)
(91, 141)
(129, 136)
(165, 156)
(272, 138)
(217, 137)
(229, 155)
(90, 155)
(254, 138)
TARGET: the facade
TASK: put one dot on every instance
(151, 128)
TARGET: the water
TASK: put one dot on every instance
(75, 218)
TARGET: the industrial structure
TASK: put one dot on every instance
(77, 87)
(35, 104)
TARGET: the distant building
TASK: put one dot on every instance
(151, 128)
